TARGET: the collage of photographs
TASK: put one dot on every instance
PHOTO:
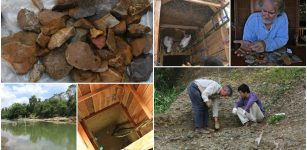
(153, 74)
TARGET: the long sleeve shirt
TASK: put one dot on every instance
(275, 38)
(209, 88)
(246, 103)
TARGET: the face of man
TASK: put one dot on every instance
(268, 12)
(223, 93)
(243, 94)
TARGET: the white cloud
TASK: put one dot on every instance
(29, 89)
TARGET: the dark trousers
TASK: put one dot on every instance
(200, 110)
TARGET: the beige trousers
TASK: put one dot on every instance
(255, 114)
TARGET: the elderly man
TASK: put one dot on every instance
(249, 106)
(265, 31)
(199, 91)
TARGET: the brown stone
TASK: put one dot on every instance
(99, 42)
(138, 7)
(111, 41)
(133, 19)
(43, 52)
(124, 50)
(64, 5)
(105, 54)
(36, 72)
(81, 56)
(120, 28)
(53, 27)
(20, 51)
(85, 76)
(46, 17)
(80, 35)
(121, 9)
(107, 21)
(103, 67)
(94, 32)
(27, 20)
(137, 30)
(116, 62)
(60, 37)
(111, 75)
(56, 64)
(39, 4)
(83, 23)
(42, 40)
(141, 45)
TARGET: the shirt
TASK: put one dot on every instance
(209, 88)
(275, 38)
(246, 103)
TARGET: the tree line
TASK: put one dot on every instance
(52, 107)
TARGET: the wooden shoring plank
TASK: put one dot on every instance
(84, 97)
(83, 133)
(179, 26)
(157, 8)
(140, 101)
(205, 3)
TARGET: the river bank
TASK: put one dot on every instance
(51, 120)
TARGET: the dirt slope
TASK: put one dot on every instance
(174, 128)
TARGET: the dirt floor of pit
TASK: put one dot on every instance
(174, 128)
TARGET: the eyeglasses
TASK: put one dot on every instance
(269, 12)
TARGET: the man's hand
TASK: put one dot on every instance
(258, 46)
(209, 103)
(234, 111)
(244, 48)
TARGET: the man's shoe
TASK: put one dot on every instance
(217, 125)
(209, 129)
(202, 131)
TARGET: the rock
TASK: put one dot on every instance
(47, 17)
(83, 23)
(133, 19)
(94, 32)
(80, 35)
(39, 4)
(138, 7)
(111, 41)
(99, 42)
(111, 75)
(124, 50)
(286, 59)
(121, 9)
(105, 54)
(42, 40)
(56, 64)
(61, 37)
(107, 21)
(140, 68)
(20, 51)
(103, 67)
(43, 52)
(141, 45)
(137, 30)
(81, 56)
(36, 72)
(116, 62)
(62, 5)
(120, 28)
(85, 76)
(84, 11)
(27, 20)
(53, 27)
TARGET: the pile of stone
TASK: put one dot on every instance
(82, 39)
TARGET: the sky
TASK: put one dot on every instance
(20, 93)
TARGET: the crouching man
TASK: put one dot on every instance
(249, 106)
(199, 91)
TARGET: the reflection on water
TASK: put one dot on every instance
(39, 135)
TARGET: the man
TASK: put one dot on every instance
(265, 31)
(199, 91)
(249, 106)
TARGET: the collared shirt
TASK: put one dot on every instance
(246, 103)
(209, 88)
(275, 38)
